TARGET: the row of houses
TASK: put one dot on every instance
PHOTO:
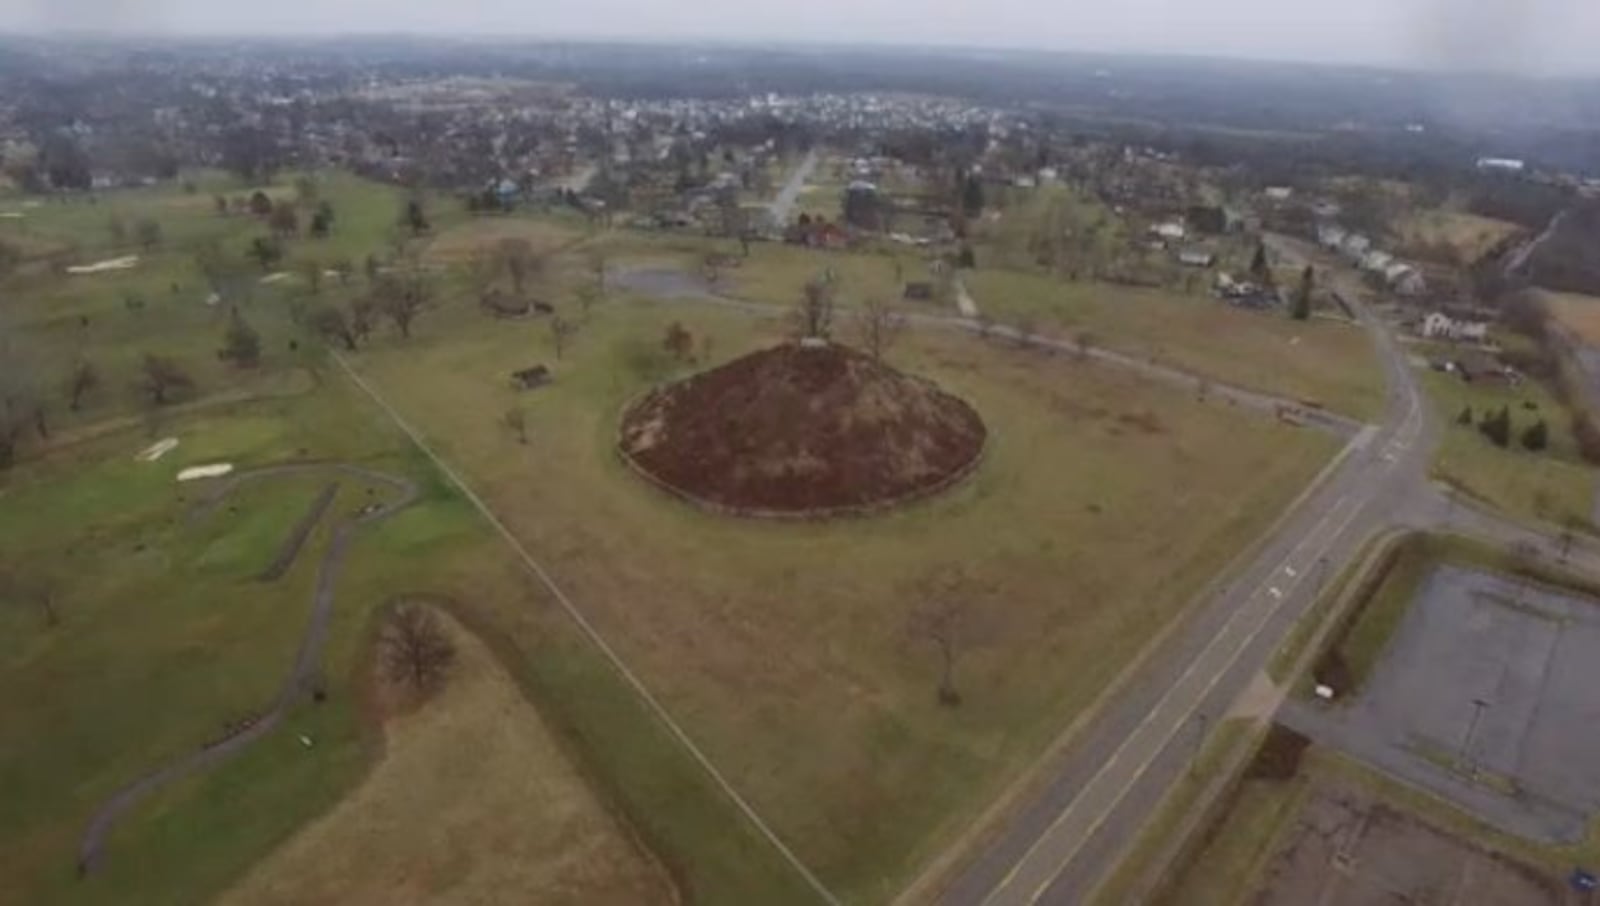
(1402, 278)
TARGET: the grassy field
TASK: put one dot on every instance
(1104, 503)
(165, 636)
(1089, 527)
(1329, 362)
(110, 693)
(1324, 361)
(1580, 314)
(776, 273)
(1553, 485)
(1468, 235)
(430, 824)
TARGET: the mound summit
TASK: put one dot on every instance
(802, 430)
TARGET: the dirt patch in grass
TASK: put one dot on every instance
(795, 430)
(473, 802)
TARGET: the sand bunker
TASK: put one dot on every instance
(158, 449)
(215, 470)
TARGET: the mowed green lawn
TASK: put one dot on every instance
(87, 318)
(1104, 505)
(166, 635)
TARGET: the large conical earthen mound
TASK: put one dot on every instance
(802, 430)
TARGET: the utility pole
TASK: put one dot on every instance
(1478, 707)
(1199, 743)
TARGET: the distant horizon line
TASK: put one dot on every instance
(756, 43)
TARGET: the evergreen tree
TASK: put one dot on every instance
(1302, 299)
(1536, 437)
(1497, 427)
(1259, 268)
(972, 196)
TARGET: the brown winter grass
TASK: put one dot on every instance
(1328, 362)
(473, 802)
(1104, 503)
(1470, 235)
(1580, 314)
(457, 243)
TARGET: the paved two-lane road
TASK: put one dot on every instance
(1059, 846)
(783, 205)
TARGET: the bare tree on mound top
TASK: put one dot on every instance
(880, 326)
(415, 649)
(949, 613)
(813, 315)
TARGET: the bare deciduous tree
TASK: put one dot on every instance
(82, 379)
(678, 341)
(947, 614)
(596, 259)
(813, 315)
(331, 324)
(880, 325)
(148, 232)
(401, 299)
(587, 297)
(415, 649)
(520, 263)
(311, 272)
(162, 378)
(561, 330)
(516, 421)
(478, 271)
(363, 315)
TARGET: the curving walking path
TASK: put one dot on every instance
(301, 672)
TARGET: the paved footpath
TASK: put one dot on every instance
(296, 685)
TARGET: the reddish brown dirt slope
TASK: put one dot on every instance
(796, 430)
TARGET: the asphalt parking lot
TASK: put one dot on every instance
(1488, 694)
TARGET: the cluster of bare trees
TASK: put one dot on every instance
(878, 324)
(27, 394)
(513, 259)
(399, 296)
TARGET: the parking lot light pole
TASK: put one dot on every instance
(1478, 707)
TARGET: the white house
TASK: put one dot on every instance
(1377, 262)
(1440, 326)
(1279, 193)
(1405, 280)
(1331, 236)
(1171, 231)
(1501, 164)
(1355, 246)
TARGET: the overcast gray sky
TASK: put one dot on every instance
(1535, 36)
